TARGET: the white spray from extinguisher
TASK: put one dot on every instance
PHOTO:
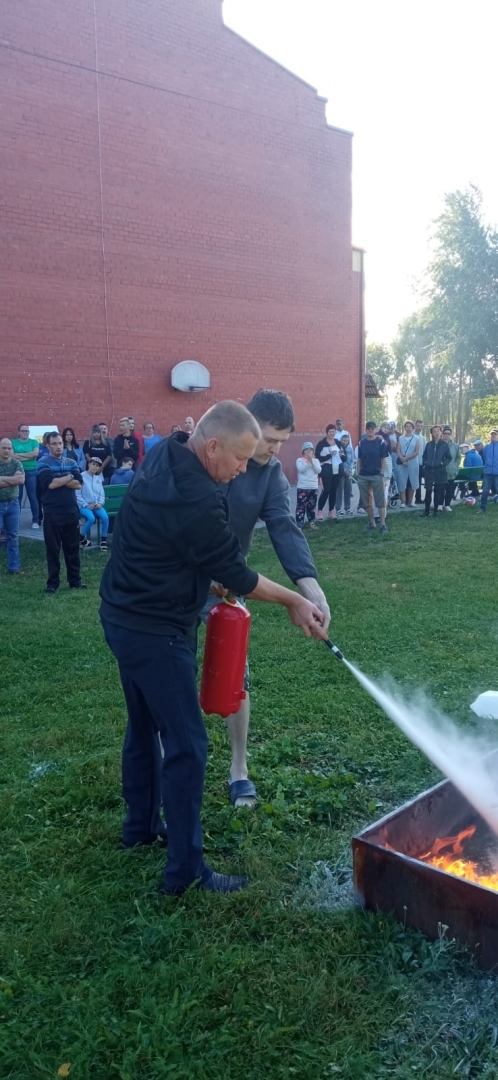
(459, 757)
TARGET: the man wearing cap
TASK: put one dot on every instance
(340, 431)
(372, 454)
(308, 470)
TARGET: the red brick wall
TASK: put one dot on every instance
(189, 202)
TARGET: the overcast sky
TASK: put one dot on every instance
(417, 84)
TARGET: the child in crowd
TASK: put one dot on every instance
(91, 499)
(308, 470)
(125, 474)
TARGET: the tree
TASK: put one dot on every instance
(446, 353)
(381, 366)
(463, 296)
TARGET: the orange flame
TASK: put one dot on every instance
(462, 868)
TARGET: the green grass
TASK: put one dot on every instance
(99, 970)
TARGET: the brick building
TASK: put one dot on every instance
(168, 193)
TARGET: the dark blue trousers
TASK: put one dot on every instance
(158, 675)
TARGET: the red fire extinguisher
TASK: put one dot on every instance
(225, 652)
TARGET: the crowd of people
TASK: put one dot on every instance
(64, 484)
(389, 464)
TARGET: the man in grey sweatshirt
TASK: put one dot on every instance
(263, 492)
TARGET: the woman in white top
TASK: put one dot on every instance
(407, 463)
(329, 455)
(308, 470)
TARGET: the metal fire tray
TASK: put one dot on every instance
(419, 894)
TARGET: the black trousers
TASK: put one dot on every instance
(66, 535)
(330, 481)
(158, 676)
(439, 490)
(449, 492)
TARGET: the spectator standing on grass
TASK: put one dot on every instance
(96, 446)
(109, 469)
(384, 433)
(72, 451)
(346, 470)
(422, 442)
(26, 451)
(139, 438)
(308, 470)
(372, 454)
(436, 457)
(329, 456)
(171, 539)
(150, 437)
(451, 468)
(125, 474)
(189, 425)
(11, 480)
(407, 452)
(340, 430)
(91, 499)
(126, 444)
(490, 479)
(59, 481)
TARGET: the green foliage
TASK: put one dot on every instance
(446, 353)
(99, 971)
(380, 364)
(484, 415)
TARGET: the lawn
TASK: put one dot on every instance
(286, 979)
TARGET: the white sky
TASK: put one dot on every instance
(417, 84)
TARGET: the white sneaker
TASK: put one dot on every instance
(361, 510)
(35, 525)
(349, 513)
(448, 508)
(340, 513)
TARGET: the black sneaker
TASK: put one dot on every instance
(49, 591)
(103, 545)
(219, 883)
(85, 543)
(80, 586)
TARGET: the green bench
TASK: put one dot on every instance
(114, 495)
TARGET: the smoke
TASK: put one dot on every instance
(459, 756)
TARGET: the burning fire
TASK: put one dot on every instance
(443, 855)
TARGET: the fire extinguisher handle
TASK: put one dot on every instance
(230, 598)
(337, 652)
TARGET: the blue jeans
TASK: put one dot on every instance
(158, 676)
(90, 516)
(344, 489)
(9, 520)
(488, 482)
(29, 487)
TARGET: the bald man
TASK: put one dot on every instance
(171, 539)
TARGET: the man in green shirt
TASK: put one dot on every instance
(26, 451)
(11, 479)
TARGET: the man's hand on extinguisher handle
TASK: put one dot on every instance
(301, 611)
(309, 587)
(218, 590)
(307, 616)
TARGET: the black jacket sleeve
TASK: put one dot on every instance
(215, 549)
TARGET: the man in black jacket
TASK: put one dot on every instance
(171, 540)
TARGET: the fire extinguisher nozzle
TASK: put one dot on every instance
(337, 652)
